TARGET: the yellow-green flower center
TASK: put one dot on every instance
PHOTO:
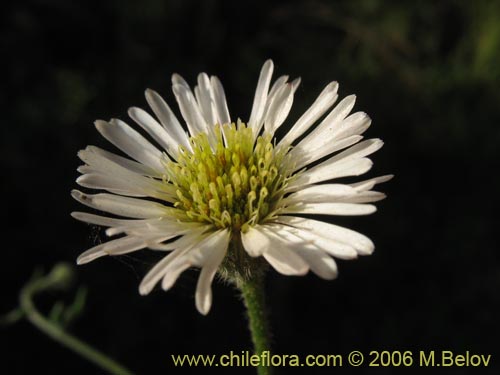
(234, 184)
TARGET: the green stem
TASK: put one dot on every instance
(56, 332)
(252, 291)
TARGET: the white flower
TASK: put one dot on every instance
(223, 195)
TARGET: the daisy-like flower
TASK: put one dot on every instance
(228, 197)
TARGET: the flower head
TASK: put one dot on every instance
(228, 197)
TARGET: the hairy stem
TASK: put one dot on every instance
(252, 291)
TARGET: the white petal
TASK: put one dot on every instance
(320, 193)
(303, 238)
(121, 206)
(121, 186)
(115, 247)
(190, 110)
(295, 84)
(107, 182)
(194, 235)
(181, 260)
(261, 94)
(319, 262)
(254, 242)
(131, 165)
(178, 80)
(97, 219)
(104, 173)
(130, 142)
(356, 151)
(167, 118)
(369, 184)
(276, 90)
(139, 228)
(173, 272)
(98, 162)
(154, 129)
(203, 294)
(204, 97)
(307, 154)
(277, 85)
(277, 252)
(363, 197)
(279, 108)
(343, 209)
(325, 194)
(357, 123)
(324, 101)
(157, 273)
(329, 170)
(157, 227)
(359, 150)
(322, 143)
(357, 240)
(164, 226)
(286, 261)
(198, 254)
(220, 101)
(333, 121)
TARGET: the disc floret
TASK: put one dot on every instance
(234, 184)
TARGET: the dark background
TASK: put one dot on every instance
(428, 74)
